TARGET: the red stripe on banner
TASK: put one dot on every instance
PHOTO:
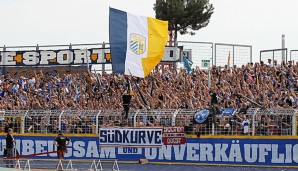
(31, 155)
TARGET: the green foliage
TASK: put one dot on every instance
(185, 16)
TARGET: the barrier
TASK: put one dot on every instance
(239, 54)
(228, 121)
(274, 54)
(294, 56)
(209, 150)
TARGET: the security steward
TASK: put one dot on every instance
(61, 142)
(9, 148)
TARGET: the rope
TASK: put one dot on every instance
(30, 155)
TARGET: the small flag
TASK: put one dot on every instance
(187, 63)
(229, 58)
(130, 89)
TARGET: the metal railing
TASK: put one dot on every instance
(274, 54)
(253, 121)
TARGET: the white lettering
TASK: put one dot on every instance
(165, 152)
(7, 58)
(276, 157)
(179, 151)
(69, 150)
(263, 151)
(235, 153)
(28, 147)
(251, 152)
(206, 151)
(107, 152)
(79, 150)
(191, 152)
(150, 153)
(30, 58)
(52, 147)
(80, 57)
(92, 150)
(288, 153)
(18, 145)
(295, 152)
(220, 152)
(65, 57)
(40, 147)
(46, 56)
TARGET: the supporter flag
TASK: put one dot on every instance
(229, 58)
(187, 63)
(130, 89)
(137, 43)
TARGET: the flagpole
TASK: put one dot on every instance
(209, 77)
(142, 97)
(87, 60)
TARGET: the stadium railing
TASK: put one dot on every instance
(253, 121)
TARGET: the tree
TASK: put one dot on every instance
(185, 16)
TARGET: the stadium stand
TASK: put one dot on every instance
(44, 96)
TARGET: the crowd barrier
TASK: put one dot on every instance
(229, 121)
(269, 151)
(259, 137)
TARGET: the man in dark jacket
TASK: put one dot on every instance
(9, 148)
(126, 102)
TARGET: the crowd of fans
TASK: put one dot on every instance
(270, 85)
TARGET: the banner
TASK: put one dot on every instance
(213, 151)
(130, 137)
(55, 57)
(79, 147)
(63, 57)
(173, 135)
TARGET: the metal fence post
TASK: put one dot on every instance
(251, 54)
(97, 122)
(215, 54)
(294, 124)
(3, 61)
(103, 67)
(253, 122)
(233, 56)
(60, 119)
(174, 117)
(212, 62)
(135, 118)
(23, 122)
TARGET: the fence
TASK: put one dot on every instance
(239, 54)
(274, 54)
(233, 122)
(294, 55)
(200, 51)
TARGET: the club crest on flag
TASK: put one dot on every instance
(137, 43)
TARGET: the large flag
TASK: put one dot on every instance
(137, 43)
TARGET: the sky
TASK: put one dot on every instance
(259, 23)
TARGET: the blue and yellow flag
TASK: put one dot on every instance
(137, 43)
